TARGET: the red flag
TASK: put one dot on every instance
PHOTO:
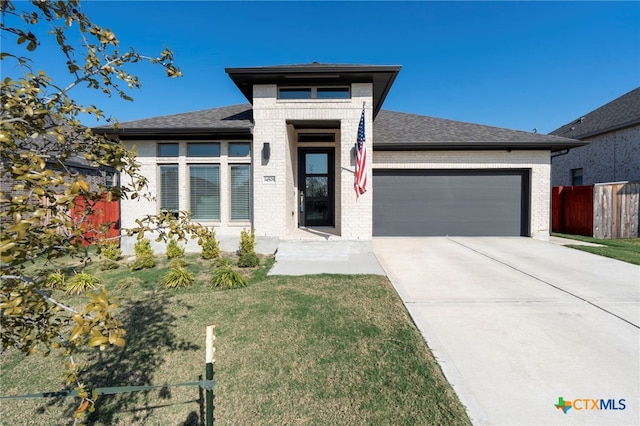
(360, 183)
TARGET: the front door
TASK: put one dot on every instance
(316, 186)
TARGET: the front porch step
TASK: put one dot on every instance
(312, 250)
(322, 251)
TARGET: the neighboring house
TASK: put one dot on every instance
(613, 150)
(284, 163)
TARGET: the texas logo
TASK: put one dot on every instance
(563, 405)
(590, 404)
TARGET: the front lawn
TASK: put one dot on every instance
(626, 249)
(325, 349)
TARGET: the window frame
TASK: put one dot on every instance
(161, 186)
(231, 166)
(176, 144)
(193, 144)
(313, 92)
(577, 176)
(189, 199)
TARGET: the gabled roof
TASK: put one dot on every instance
(382, 77)
(230, 120)
(391, 131)
(401, 131)
(617, 114)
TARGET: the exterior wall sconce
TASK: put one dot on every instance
(266, 151)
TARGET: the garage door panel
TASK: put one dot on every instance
(436, 203)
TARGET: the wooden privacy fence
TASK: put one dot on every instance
(606, 210)
(102, 222)
(572, 210)
(616, 210)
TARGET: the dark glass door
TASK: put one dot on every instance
(316, 186)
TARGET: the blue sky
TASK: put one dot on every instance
(519, 65)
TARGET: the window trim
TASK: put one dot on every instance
(190, 144)
(314, 93)
(177, 155)
(577, 173)
(188, 198)
(249, 197)
(160, 200)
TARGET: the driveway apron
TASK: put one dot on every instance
(517, 323)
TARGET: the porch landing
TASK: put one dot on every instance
(309, 252)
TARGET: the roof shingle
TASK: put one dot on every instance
(401, 129)
(392, 130)
(617, 114)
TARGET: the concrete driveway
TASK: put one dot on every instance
(517, 323)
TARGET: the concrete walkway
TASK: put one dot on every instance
(517, 323)
(308, 257)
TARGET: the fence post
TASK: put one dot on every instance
(209, 372)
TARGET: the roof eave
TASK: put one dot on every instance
(477, 146)
(609, 129)
(246, 78)
(168, 133)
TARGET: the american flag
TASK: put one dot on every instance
(360, 183)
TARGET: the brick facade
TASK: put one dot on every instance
(275, 204)
(609, 157)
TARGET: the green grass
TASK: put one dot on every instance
(325, 349)
(627, 249)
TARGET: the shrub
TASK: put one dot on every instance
(143, 262)
(248, 260)
(111, 251)
(225, 277)
(128, 282)
(143, 247)
(107, 264)
(55, 280)
(177, 278)
(223, 262)
(178, 262)
(174, 250)
(144, 255)
(247, 242)
(82, 282)
(210, 247)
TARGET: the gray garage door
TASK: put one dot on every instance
(448, 202)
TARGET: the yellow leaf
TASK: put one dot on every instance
(98, 341)
(120, 342)
(75, 333)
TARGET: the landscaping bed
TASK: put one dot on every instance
(324, 349)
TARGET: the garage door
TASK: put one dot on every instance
(450, 202)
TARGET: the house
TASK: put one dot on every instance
(284, 163)
(613, 150)
(97, 178)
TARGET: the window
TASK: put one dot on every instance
(576, 176)
(204, 185)
(211, 180)
(167, 150)
(332, 93)
(316, 137)
(169, 189)
(203, 149)
(341, 92)
(240, 192)
(297, 93)
(239, 149)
